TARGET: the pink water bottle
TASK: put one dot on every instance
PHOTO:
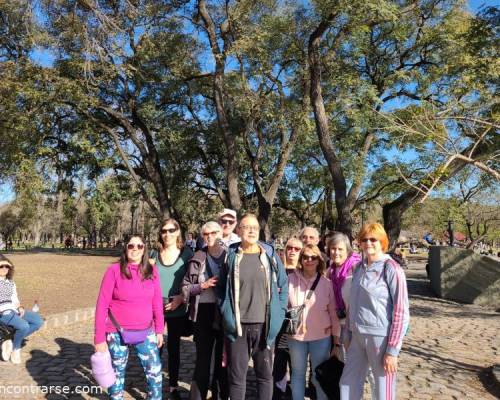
(102, 369)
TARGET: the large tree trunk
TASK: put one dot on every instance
(344, 221)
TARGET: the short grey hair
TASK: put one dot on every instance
(211, 225)
(336, 238)
(308, 227)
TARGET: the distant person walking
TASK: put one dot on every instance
(12, 313)
(378, 318)
(131, 295)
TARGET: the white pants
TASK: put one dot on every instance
(366, 351)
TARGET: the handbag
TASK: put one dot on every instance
(294, 315)
(328, 375)
(131, 336)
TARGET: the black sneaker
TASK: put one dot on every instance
(175, 395)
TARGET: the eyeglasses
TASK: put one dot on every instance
(210, 233)
(293, 248)
(227, 221)
(164, 231)
(5, 266)
(309, 258)
(371, 240)
(250, 228)
(132, 246)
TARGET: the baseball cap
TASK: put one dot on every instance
(227, 211)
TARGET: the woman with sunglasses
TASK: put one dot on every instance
(130, 292)
(200, 290)
(319, 321)
(25, 322)
(281, 352)
(171, 258)
(378, 318)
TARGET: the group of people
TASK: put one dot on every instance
(233, 295)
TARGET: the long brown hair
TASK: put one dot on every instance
(172, 221)
(145, 269)
(5, 260)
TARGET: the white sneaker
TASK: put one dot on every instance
(15, 357)
(6, 349)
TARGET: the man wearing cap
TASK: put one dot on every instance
(227, 219)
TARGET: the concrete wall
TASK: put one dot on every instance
(464, 276)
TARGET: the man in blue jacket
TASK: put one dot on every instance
(253, 303)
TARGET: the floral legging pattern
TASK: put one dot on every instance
(149, 356)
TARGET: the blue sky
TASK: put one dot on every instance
(46, 58)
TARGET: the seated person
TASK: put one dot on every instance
(12, 313)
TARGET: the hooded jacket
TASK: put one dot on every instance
(277, 292)
(379, 302)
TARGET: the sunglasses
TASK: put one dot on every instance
(132, 246)
(210, 233)
(169, 230)
(371, 240)
(227, 221)
(5, 266)
(309, 258)
(293, 248)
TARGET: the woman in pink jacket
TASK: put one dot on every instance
(320, 321)
(130, 292)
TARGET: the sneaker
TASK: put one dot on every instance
(15, 357)
(6, 349)
(175, 395)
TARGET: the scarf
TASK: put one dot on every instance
(339, 274)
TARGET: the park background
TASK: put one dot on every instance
(115, 114)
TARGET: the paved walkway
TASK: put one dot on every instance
(446, 355)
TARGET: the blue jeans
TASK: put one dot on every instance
(24, 326)
(319, 350)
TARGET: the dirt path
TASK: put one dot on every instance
(58, 282)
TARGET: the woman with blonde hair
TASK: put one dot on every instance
(378, 318)
(308, 286)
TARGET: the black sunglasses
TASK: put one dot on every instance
(169, 230)
(4, 266)
(309, 258)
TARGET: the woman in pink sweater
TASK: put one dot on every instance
(130, 291)
(320, 321)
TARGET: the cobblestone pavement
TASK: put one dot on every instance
(446, 355)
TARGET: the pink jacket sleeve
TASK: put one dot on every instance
(102, 306)
(158, 303)
(332, 310)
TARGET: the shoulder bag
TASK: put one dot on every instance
(294, 315)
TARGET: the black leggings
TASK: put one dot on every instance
(176, 326)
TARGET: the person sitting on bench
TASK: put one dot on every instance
(12, 313)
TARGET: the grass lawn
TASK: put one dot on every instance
(59, 282)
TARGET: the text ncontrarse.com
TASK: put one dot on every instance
(35, 389)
